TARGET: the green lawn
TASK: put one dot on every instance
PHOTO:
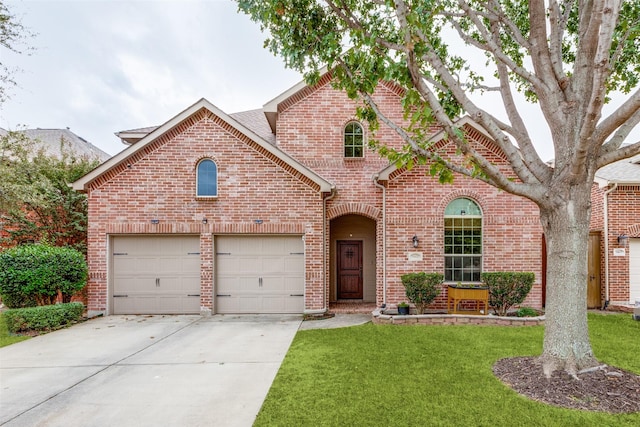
(5, 338)
(391, 375)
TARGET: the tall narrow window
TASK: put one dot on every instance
(207, 178)
(462, 241)
(353, 140)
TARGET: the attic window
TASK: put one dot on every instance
(207, 178)
(353, 140)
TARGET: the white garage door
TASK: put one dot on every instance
(634, 270)
(259, 274)
(156, 275)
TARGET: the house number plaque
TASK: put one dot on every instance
(414, 256)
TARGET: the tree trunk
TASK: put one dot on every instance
(566, 337)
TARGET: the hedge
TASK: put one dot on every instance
(43, 318)
(38, 272)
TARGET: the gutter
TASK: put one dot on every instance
(606, 244)
(384, 238)
(331, 195)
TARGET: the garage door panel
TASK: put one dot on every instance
(292, 285)
(136, 264)
(172, 304)
(176, 285)
(134, 304)
(259, 274)
(156, 274)
(272, 265)
(134, 285)
(294, 265)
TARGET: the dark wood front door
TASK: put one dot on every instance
(349, 269)
(593, 280)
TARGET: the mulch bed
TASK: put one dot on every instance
(608, 389)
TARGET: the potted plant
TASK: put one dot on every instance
(403, 308)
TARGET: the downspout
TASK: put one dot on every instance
(384, 239)
(606, 244)
(331, 195)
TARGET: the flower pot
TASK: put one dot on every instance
(403, 311)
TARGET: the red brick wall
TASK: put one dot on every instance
(310, 129)
(624, 218)
(160, 183)
(510, 227)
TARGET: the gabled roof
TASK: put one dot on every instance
(82, 183)
(625, 171)
(254, 120)
(385, 173)
(270, 109)
(50, 140)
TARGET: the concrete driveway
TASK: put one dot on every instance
(145, 371)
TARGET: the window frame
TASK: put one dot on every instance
(463, 244)
(198, 171)
(351, 145)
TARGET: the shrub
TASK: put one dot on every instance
(422, 288)
(38, 272)
(16, 299)
(45, 318)
(527, 312)
(507, 289)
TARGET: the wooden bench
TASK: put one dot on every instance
(457, 294)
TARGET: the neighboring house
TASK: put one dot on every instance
(51, 140)
(615, 230)
(286, 210)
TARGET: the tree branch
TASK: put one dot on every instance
(619, 154)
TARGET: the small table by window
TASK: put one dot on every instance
(456, 294)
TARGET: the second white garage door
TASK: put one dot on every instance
(259, 274)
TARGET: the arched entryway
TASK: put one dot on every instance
(353, 259)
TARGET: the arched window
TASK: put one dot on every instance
(462, 241)
(207, 178)
(353, 140)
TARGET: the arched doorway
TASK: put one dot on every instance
(353, 259)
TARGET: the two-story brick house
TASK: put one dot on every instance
(285, 209)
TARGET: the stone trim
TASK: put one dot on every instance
(454, 319)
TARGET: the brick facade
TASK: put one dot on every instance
(622, 218)
(158, 182)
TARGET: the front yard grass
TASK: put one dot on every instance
(380, 375)
(5, 337)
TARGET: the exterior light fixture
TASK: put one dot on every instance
(155, 221)
(204, 220)
(623, 240)
(415, 241)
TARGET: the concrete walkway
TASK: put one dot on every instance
(145, 371)
(338, 321)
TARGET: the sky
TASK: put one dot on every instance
(99, 67)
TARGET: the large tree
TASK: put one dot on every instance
(566, 57)
(37, 203)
